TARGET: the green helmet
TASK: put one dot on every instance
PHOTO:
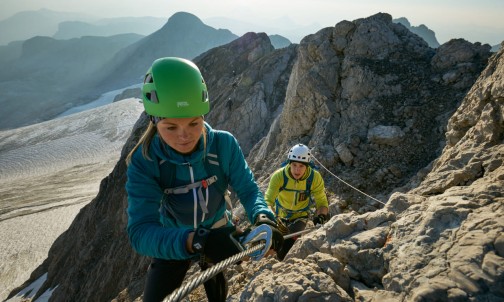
(174, 88)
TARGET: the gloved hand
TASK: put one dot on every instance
(216, 244)
(276, 237)
(321, 219)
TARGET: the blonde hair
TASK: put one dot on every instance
(146, 140)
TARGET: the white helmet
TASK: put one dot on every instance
(299, 153)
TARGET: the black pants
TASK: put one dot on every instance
(293, 226)
(165, 276)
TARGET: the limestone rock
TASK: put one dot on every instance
(385, 135)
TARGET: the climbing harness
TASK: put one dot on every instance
(284, 224)
(205, 192)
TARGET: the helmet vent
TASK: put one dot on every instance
(152, 96)
(148, 78)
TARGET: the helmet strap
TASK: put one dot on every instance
(155, 119)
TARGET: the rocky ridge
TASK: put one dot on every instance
(403, 122)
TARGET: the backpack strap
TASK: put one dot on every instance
(285, 180)
(216, 177)
(212, 165)
(309, 182)
(213, 168)
(307, 191)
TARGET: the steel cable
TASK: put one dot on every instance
(206, 275)
(346, 183)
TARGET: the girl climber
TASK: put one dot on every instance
(178, 175)
(292, 191)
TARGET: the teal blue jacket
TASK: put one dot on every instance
(158, 234)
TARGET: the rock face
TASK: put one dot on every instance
(443, 240)
(247, 80)
(373, 100)
(408, 124)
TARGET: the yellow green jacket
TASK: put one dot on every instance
(293, 201)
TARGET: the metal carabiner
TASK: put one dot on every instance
(260, 234)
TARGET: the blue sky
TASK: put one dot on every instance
(475, 21)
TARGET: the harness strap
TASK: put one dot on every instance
(203, 203)
(227, 197)
(212, 167)
(309, 181)
(292, 212)
(186, 188)
(197, 185)
(221, 222)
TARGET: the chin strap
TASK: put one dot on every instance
(155, 119)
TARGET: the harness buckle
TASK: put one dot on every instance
(204, 184)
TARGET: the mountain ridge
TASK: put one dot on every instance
(183, 35)
(124, 69)
(108, 27)
(393, 117)
(14, 28)
(33, 94)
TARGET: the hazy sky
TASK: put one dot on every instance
(475, 21)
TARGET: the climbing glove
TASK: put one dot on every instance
(216, 244)
(320, 219)
(276, 237)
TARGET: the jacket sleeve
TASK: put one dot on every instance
(276, 181)
(242, 179)
(146, 233)
(318, 191)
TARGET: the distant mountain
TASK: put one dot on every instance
(279, 41)
(67, 25)
(496, 48)
(184, 35)
(51, 76)
(109, 27)
(28, 24)
(46, 77)
(423, 31)
(10, 52)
